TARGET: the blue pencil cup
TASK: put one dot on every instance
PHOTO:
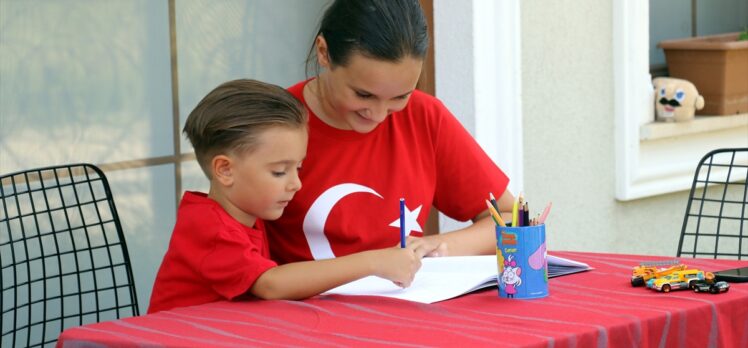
(522, 262)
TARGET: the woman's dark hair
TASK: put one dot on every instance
(381, 29)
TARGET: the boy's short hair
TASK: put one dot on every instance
(232, 115)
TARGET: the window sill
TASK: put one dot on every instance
(665, 160)
(702, 124)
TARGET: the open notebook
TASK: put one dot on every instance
(442, 278)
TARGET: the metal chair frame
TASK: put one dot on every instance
(699, 215)
(63, 254)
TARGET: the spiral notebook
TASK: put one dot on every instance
(443, 278)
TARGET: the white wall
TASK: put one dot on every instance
(566, 117)
(478, 77)
(568, 105)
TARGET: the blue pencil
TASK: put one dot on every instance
(402, 222)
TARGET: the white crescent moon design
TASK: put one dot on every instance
(316, 217)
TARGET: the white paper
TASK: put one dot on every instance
(558, 266)
(442, 278)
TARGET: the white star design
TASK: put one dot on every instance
(411, 220)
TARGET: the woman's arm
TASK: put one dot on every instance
(477, 239)
(299, 280)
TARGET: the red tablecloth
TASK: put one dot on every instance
(598, 308)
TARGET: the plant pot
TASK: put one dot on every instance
(717, 65)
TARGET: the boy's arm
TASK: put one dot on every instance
(300, 280)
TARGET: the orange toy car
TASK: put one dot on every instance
(650, 270)
(685, 279)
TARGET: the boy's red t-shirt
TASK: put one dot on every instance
(211, 256)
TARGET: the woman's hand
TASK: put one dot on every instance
(428, 246)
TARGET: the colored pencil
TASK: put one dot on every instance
(402, 222)
(495, 215)
(545, 213)
(493, 201)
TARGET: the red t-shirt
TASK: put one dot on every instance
(211, 256)
(352, 182)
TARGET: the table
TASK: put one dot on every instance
(598, 308)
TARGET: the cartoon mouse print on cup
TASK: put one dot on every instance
(510, 276)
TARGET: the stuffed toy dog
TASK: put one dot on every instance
(676, 99)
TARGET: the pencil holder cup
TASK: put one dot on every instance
(522, 262)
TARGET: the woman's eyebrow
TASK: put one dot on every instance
(404, 95)
(363, 91)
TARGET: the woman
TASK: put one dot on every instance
(374, 138)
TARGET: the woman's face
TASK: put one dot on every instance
(363, 93)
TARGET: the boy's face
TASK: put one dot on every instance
(266, 178)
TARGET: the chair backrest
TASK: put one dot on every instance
(63, 254)
(716, 220)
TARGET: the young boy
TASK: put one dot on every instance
(250, 139)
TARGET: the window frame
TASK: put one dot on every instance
(646, 168)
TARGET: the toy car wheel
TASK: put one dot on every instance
(695, 289)
(637, 281)
(713, 290)
(666, 288)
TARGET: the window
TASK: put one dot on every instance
(675, 19)
(648, 167)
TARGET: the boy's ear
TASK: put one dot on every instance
(221, 165)
(323, 58)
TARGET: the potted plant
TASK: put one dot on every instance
(717, 65)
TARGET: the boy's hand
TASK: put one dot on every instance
(398, 265)
(429, 246)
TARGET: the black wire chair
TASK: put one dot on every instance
(716, 220)
(63, 254)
